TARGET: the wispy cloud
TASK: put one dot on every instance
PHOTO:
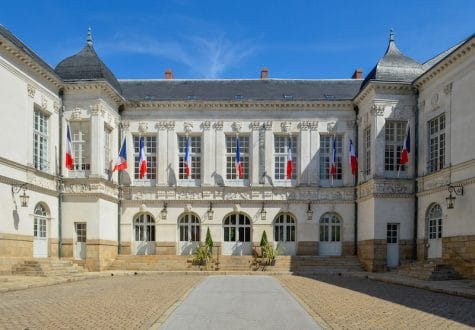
(204, 56)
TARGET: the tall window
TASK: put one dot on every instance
(284, 228)
(231, 170)
(150, 146)
(80, 140)
(195, 157)
(367, 151)
(330, 228)
(281, 146)
(394, 137)
(40, 141)
(326, 154)
(189, 228)
(107, 150)
(434, 222)
(436, 129)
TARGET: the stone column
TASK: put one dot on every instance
(172, 159)
(219, 164)
(162, 154)
(269, 150)
(96, 143)
(29, 124)
(313, 175)
(304, 153)
(254, 153)
(207, 154)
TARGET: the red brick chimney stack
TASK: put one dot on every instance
(168, 74)
(358, 74)
(264, 73)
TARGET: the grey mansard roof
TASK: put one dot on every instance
(86, 65)
(395, 66)
(251, 89)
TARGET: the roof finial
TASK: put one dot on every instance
(391, 35)
(89, 36)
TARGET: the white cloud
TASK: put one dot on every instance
(204, 56)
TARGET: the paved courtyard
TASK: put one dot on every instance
(124, 302)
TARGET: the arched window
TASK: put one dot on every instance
(284, 228)
(189, 228)
(434, 222)
(237, 227)
(330, 228)
(39, 226)
(144, 224)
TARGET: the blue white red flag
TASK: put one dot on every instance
(187, 159)
(238, 159)
(333, 163)
(406, 146)
(142, 159)
(121, 162)
(353, 158)
(289, 159)
(69, 149)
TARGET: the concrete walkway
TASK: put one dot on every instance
(239, 302)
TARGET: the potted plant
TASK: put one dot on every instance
(201, 255)
(209, 241)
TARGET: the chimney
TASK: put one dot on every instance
(358, 74)
(264, 73)
(168, 74)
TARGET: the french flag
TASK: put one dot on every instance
(289, 159)
(406, 147)
(353, 158)
(333, 163)
(187, 157)
(142, 159)
(238, 159)
(121, 162)
(69, 149)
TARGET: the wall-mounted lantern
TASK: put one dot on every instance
(453, 189)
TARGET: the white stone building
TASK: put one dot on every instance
(387, 214)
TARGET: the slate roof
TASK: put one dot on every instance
(245, 89)
(18, 43)
(394, 66)
(86, 65)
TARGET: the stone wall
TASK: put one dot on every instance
(459, 251)
(166, 248)
(347, 248)
(406, 251)
(100, 254)
(372, 255)
(421, 249)
(307, 248)
(14, 249)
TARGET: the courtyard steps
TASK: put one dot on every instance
(238, 264)
(47, 267)
(434, 270)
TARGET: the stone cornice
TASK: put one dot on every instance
(234, 105)
(30, 62)
(451, 59)
(385, 188)
(383, 86)
(73, 86)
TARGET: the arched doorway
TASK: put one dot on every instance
(237, 235)
(330, 235)
(190, 233)
(284, 233)
(40, 232)
(144, 228)
(434, 231)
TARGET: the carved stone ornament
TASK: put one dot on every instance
(206, 125)
(218, 125)
(188, 207)
(143, 208)
(44, 102)
(422, 105)
(377, 110)
(188, 127)
(448, 88)
(76, 114)
(237, 207)
(304, 125)
(125, 125)
(161, 125)
(171, 125)
(56, 107)
(359, 120)
(31, 91)
(255, 125)
(313, 125)
(331, 127)
(286, 126)
(143, 127)
(434, 100)
(268, 125)
(350, 123)
(237, 125)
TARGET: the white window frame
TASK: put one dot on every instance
(150, 146)
(196, 148)
(367, 151)
(232, 178)
(325, 159)
(81, 145)
(285, 229)
(281, 144)
(394, 132)
(436, 138)
(40, 140)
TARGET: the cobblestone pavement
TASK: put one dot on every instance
(358, 303)
(119, 302)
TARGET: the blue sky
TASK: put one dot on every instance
(234, 39)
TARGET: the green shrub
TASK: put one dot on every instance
(202, 255)
(264, 241)
(209, 240)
